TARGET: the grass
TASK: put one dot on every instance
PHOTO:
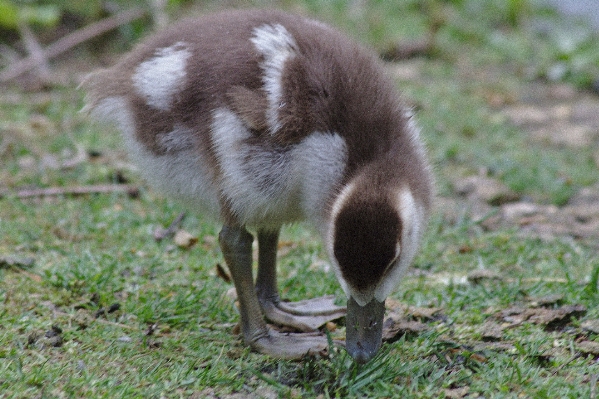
(172, 334)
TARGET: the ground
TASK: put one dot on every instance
(502, 300)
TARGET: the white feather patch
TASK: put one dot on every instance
(183, 174)
(268, 185)
(413, 219)
(159, 79)
(277, 45)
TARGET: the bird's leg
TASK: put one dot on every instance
(305, 315)
(236, 245)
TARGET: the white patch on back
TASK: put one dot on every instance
(182, 174)
(321, 158)
(277, 45)
(268, 185)
(159, 79)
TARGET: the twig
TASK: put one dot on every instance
(97, 320)
(159, 14)
(69, 41)
(79, 190)
(35, 50)
(160, 233)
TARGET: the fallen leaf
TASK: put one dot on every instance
(395, 329)
(591, 325)
(185, 240)
(546, 300)
(551, 318)
(491, 331)
(17, 261)
(231, 293)
(494, 346)
(457, 393)
(424, 313)
(589, 347)
(398, 310)
(485, 188)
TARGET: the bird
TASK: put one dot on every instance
(261, 118)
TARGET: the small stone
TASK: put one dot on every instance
(185, 240)
(517, 210)
(457, 393)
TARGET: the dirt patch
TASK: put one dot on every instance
(552, 114)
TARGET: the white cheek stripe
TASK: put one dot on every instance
(159, 79)
(330, 236)
(412, 216)
(277, 45)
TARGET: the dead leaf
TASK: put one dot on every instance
(395, 329)
(551, 318)
(589, 347)
(185, 240)
(591, 325)
(457, 393)
(398, 310)
(424, 313)
(546, 300)
(491, 331)
(485, 188)
(494, 346)
(16, 261)
(231, 293)
(518, 210)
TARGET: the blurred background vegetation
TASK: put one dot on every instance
(566, 51)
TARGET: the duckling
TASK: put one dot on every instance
(259, 119)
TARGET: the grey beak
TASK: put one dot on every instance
(364, 329)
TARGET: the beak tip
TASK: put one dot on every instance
(364, 329)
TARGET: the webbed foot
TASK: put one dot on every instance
(307, 315)
(290, 345)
